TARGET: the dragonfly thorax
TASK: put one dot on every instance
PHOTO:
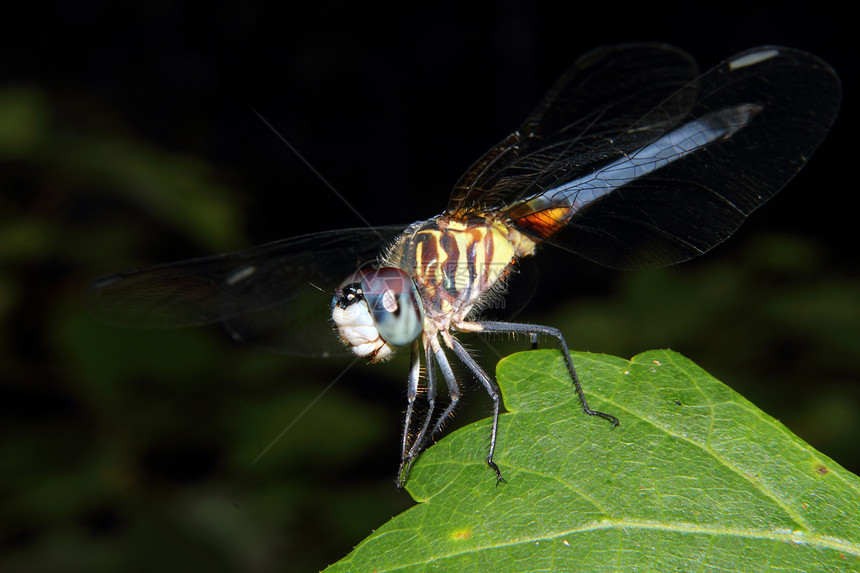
(432, 277)
(457, 265)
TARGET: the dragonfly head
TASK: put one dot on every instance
(376, 310)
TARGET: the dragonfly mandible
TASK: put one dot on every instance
(631, 160)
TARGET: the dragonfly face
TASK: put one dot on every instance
(375, 310)
(632, 160)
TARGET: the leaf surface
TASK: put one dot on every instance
(695, 478)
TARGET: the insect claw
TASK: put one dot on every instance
(492, 464)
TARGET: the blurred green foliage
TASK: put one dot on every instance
(132, 450)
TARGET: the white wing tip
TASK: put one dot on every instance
(753, 58)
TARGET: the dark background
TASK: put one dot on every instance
(126, 137)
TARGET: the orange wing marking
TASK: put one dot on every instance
(546, 222)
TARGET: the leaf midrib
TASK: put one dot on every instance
(795, 537)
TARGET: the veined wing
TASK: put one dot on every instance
(633, 202)
(599, 97)
(276, 295)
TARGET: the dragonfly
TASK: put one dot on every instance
(633, 159)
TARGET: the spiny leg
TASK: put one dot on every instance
(408, 457)
(420, 442)
(421, 437)
(451, 380)
(533, 329)
(411, 394)
(492, 389)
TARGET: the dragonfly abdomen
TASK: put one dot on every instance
(547, 213)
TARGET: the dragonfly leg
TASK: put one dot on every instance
(492, 389)
(411, 394)
(409, 453)
(451, 381)
(533, 330)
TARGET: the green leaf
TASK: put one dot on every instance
(695, 478)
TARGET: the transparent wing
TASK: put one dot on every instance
(599, 97)
(276, 295)
(679, 179)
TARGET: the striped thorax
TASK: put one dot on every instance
(454, 268)
(457, 265)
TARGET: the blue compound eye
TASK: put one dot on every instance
(394, 304)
